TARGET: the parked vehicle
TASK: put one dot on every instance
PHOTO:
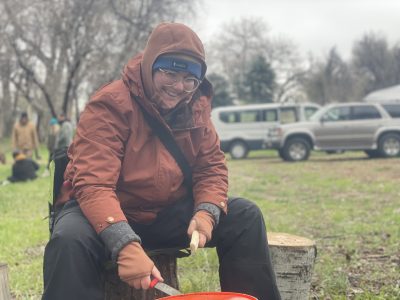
(243, 128)
(370, 127)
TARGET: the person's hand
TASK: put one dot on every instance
(135, 267)
(203, 222)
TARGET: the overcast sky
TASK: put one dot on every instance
(314, 25)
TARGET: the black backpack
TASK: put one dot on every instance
(60, 160)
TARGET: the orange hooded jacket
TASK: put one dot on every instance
(119, 168)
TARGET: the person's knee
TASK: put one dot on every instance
(66, 237)
(246, 208)
(71, 232)
(243, 229)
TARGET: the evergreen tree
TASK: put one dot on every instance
(222, 96)
(260, 81)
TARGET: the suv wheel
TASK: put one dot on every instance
(389, 145)
(296, 149)
(238, 150)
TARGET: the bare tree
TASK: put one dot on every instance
(235, 46)
(289, 68)
(375, 62)
(50, 40)
(64, 49)
(396, 56)
(7, 113)
(135, 19)
(330, 80)
(8, 98)
(240, 41)
(374, 65)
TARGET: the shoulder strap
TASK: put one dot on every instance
(169, 142)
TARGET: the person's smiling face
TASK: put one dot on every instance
(172, 87)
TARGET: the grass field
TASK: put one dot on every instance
(348, 204)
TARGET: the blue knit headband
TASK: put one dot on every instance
(179, 65)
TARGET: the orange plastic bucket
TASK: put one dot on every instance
(211, 296)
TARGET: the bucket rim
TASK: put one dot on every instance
(210, 294)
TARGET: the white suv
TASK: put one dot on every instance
(243, 128)
(373, 128)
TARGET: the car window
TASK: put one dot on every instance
(335, 114)
(309, 111)
(288, 115)
(229, 117)
(249, 116)
(270, 115)
(392, 109)
(365, 112)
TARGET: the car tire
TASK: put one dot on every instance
(372, 153)
(296, 149)
(389, 145)
(238, 150)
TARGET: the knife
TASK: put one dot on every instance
(165, 288)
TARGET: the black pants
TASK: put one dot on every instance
(75, 255)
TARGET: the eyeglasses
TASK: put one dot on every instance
(170, 78)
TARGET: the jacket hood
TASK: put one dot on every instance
(170, 38)
(166, 38)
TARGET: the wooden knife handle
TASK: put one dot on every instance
(194, 242)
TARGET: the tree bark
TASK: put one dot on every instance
(293, 259)
(4, 288)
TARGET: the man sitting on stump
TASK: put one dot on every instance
(124, 191)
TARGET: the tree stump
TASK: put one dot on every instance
(4, 288)
(293, 259)
(115, 289)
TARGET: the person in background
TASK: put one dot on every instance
(51, 138)
(24, 137)
(124, 192)
(65, 133)
(23, 168)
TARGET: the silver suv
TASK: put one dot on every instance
(372, 128)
